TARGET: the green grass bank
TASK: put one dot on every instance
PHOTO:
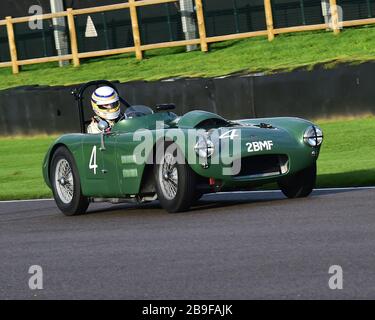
(286, 52)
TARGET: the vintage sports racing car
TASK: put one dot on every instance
(154, 154)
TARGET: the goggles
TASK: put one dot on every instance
(109, 107)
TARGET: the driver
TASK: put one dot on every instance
(106, 105)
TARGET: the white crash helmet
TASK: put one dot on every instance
(106, 103)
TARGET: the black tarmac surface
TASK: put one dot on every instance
(232, 246)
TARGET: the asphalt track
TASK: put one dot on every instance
(233, 246)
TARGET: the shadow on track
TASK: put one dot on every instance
(212, 201)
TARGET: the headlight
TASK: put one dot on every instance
(313, 136)
(204, 148)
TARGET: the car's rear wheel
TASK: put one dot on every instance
(175, 181)
(299, 185)
(66, 183)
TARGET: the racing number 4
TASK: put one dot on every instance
(92, 163)
(231, 134)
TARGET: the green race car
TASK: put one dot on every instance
(154, 154)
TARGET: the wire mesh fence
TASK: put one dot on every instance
(4, 50)
(233, 16)
(34, 43)
(289, 13)
(111, 30)
(357, 9)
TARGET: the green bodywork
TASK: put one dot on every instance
(118, 175)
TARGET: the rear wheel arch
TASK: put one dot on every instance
(52, 152)
(76, 153)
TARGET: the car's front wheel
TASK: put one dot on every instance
(66, 183)
(175, 181)
(299, 185)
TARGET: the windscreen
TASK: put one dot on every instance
(137, 111)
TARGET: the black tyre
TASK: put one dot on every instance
(175, 181)
(66, 183)
(301, 184)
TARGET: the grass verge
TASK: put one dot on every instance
(286, 52)
(347, 159)
(21, 167)
(348, 155)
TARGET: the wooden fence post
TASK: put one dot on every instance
(73, 37)
(201, 25)
(334, 17)
(12, 45)
(269, 19)
(135, 27)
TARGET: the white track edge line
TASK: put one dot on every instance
(226, 192)
(278, 191)
(29, 200)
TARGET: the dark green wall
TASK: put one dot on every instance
(343, 91)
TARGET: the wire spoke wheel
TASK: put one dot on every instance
(168, 176)
(175, 181)
(64, 182)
